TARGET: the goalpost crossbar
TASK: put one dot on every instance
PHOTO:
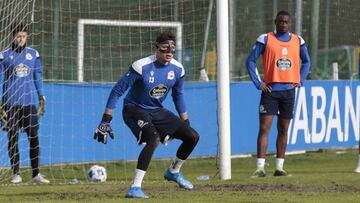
(122, 23)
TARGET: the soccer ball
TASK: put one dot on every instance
(97, 174)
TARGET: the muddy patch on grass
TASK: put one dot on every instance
(247, 188)
(277, 188)
(115, 192)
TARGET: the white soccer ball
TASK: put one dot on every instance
(97, 174)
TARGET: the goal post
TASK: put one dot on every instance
(223, 89)
(123, 23)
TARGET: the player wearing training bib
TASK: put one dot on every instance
(149, 81)
(283, 72)
(281, 59)
(22, 89)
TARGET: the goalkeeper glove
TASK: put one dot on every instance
(41, 108)
(3, 116)
(187, 122)
(104, 130)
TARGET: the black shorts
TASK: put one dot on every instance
(22, 117)
(279, 103)
(165, 122)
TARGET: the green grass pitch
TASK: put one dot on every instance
(325, 176)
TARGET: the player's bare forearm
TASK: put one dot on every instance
(184, 116)
(108, 111)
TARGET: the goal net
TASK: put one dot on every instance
(85, 46)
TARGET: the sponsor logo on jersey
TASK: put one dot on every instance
(28, 56)
(21, 70)
(283, 64)
(171, 75)
(158, 91)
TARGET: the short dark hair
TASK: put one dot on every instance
(162, 37)
(282, 13)
(17, 27)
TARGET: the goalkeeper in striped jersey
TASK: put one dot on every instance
(22, 88)
(150, 79)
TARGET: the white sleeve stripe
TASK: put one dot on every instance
(37, 55)
(257, 74)
(137, 65)
(261, 38)
(302, 41)
(178, 64)
(137, 68)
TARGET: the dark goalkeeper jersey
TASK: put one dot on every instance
(150, 82)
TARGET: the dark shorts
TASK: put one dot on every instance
(165, 122)
(22, 117)
(279, 103)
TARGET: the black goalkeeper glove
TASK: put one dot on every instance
(41, 108)
(187, 122)
(104, 130)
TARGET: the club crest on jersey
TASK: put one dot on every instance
(28, 56)
(21, 70)
(151, 78)
(283, 64)
(284, 51)
(11, 57)
(171, 75)
(158, 91)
